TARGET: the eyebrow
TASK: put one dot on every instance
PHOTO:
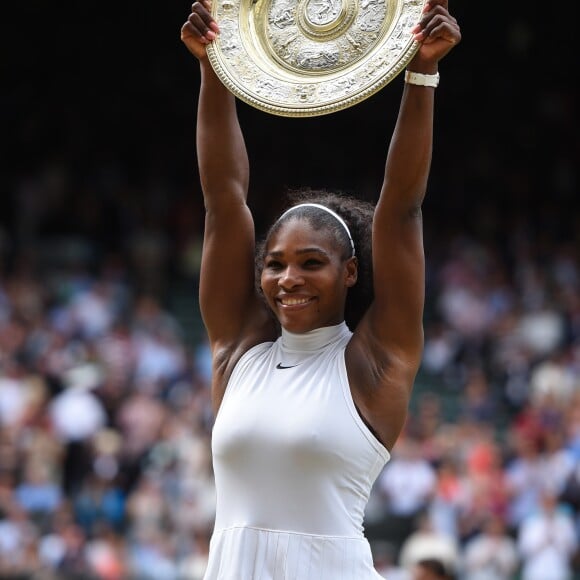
(276, 254)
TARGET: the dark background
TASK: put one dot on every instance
(104, 95)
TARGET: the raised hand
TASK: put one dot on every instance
(437, 31)
(200, 29)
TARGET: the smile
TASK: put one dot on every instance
(294, 301)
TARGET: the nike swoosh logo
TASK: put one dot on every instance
(281, 366)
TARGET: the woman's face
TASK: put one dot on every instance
(305, 279)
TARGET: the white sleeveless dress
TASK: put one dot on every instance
(294, 465)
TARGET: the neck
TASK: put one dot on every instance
(313, 339)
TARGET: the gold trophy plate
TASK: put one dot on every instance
(302, 58)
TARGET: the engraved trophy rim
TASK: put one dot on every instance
(305, 58)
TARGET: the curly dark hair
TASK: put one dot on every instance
(358, 216)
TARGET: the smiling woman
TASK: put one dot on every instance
(307, 266)
(318, 340)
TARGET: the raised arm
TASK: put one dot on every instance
(398, 259)
(389, 340)
(229, 303)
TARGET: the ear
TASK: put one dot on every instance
(351, 271)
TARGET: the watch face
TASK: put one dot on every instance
(300, 58)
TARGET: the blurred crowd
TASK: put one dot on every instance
(104, 424)
(105, 421)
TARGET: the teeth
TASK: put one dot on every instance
(294, 301)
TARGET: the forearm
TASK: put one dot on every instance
(221, 151)
(409, 157)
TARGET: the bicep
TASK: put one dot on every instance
(228, 295)
(398, 281)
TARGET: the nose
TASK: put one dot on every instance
(290, 278)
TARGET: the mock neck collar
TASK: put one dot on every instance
(313, 340)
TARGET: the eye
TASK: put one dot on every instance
(312, 263)
(273, 265)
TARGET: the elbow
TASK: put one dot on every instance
(415, 212)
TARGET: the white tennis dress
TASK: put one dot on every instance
(294, 465)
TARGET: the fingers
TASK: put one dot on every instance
(200, 24)
(437, 23)
(430, 4)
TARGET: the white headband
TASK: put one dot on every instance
(327, 210)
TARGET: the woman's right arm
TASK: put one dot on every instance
(231, 309)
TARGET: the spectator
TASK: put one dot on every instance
(426, 543)
(408, 483)
(430, 569)
(547, 542)
(492, 554)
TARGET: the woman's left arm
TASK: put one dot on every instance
(398, 258)
(389, 339)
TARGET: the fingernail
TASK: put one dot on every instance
(210, 35)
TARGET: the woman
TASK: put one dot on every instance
(308, 408)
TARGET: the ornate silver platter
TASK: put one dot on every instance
(302, 58)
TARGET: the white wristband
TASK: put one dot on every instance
(421, 79)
